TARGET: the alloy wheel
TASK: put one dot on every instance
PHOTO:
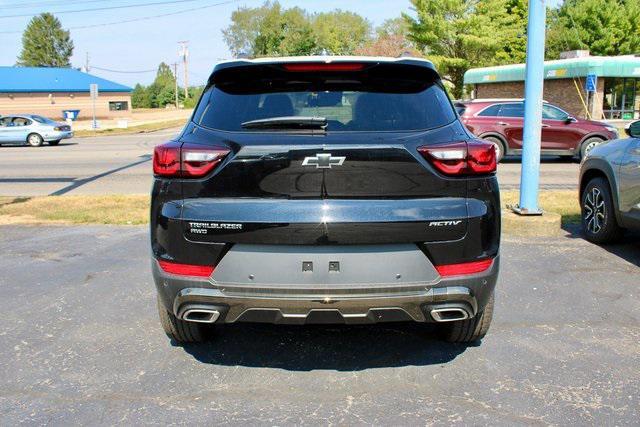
(594, 210)
(34, 140)
(590, 145)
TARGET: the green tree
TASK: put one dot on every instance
(139, 97)
(282, 33)
(162, 91)
(339, 32)
(270, 30)
(604, 27)
(246, 23)
(45, 43)
(460, 34)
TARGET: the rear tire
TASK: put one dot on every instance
(54, 142)
(500, 147)
(599, 224)
(470, 330)
(34, 140)
(180, 330)
(588, 145)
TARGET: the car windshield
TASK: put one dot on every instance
(355, 104)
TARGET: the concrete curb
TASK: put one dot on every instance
(547, 224)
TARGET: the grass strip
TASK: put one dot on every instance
(148, 127)
(110, 209)
(563, 202)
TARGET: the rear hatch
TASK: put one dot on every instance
(320, 155)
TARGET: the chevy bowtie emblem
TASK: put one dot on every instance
(323, 161)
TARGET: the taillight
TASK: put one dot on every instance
(464, 268)
(186, 269)
(324, 66)
(166, 159)
(461, 158)
(188, 161)
(198, 161)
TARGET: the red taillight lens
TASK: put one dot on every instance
(481, 157)
(198, 161)
(166, 159)
(461, 158)
(186, 269)
(324, 66)
(464, 268)
(188, 161)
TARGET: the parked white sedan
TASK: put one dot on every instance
(32, 129)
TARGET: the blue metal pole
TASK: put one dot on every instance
(533, 85)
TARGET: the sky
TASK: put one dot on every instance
(142, 45)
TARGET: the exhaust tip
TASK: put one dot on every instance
(450, 314)
(201, 315)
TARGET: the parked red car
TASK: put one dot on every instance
(500, 121)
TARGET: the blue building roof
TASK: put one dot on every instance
(43, 79)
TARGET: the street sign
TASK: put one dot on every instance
(93, 90)
(591, 83)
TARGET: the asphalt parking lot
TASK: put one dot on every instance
(81, 343)
(122, 165)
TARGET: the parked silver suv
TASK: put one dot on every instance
(610, 188)
(32, 129)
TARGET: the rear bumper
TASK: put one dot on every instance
(317, 304)
(57, 135)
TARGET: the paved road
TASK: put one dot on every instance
(122, 164)
(80, 343)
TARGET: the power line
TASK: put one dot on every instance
(96, 9)
(37, 4)
(93, 67)
(144, 18)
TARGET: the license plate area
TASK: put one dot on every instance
(365, 266)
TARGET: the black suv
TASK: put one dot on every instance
(325, 190)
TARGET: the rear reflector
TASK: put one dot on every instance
(324, 66)
(186, 269)
(464, 268)
(461, 158)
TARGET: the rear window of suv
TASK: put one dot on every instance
(376, 100)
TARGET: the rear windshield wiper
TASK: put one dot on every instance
(287, 122)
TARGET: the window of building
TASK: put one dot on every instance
(621, 98)
(118, 105)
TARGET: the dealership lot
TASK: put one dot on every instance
(122, 165)
(81, 343)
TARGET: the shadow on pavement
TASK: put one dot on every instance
(327, 347)
(627, 248)
(80, 182)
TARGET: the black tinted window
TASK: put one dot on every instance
(362, 103)
(491, 111)
(512, 110)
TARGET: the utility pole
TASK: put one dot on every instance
(86, 63)
(184, 53)
(533, 86)
(175, 76)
